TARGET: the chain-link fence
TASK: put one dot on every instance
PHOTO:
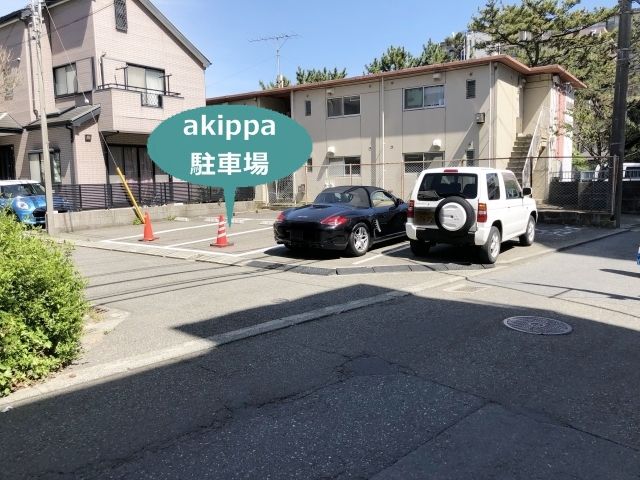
(560, 182)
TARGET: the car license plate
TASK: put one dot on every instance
(423, 217)
(297, 235)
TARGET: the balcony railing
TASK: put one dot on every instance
(148, 96)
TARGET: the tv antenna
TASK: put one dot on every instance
(280, 41)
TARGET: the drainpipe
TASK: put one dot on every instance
(382, 124)
(491, 80)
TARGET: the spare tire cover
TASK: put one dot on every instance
(454, 214)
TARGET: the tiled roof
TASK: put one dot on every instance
(8, 124)
(72, 116)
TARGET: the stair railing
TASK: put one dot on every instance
(532, 154)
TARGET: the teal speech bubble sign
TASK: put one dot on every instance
(229, 146)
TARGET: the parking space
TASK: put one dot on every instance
(252, 243)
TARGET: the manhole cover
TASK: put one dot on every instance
(538, 325)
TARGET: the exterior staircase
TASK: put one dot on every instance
(518, 156)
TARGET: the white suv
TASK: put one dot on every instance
(470, 206)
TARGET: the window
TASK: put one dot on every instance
(382, 199)
(422, 97)
(471, 89)
(352, 105)
(36, 167)
(446, 184)
(120, 7)
(307, 108)
(416, 162)
(493, 186)
(65, 80)
(344, 167)
(310, 165)
(511, 186)
(413, 98)
(469, 156)
(150, 81)
(338, 107)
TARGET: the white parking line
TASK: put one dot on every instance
(161, 231)
(373, 257)
(261, 250)
(396, 249)
(161, 247)
(208, 239)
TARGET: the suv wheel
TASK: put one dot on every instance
(419, 248)
(529, 236)
(455, 215)
(359, 240)
(491, 249)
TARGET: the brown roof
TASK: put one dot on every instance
(440, 67)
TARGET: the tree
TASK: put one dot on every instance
(432, 53)
(545, 32)
(453, 46)
(313, 76)
(9, 78)
(271, 85)
(555, 30)
(395, 58)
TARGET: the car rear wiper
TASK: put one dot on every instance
(428, 195)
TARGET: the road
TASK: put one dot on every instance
(424, 381)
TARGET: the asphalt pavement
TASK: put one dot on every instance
(382, 375)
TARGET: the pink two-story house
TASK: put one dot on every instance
(113, 70)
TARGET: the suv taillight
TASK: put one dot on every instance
(482, 212)
(411, 208)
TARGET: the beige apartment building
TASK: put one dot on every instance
(383, 129)
(113, 70)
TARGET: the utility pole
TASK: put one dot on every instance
(620, 107)
(36, 15)
(277, 39)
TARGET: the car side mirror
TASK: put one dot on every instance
(398, 202)
(526, 191)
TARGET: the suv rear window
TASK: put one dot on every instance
(441, 185)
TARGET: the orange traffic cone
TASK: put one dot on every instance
(148, 230)
(221, 239)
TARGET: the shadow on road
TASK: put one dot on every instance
(399, 389)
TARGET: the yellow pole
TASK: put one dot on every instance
(131, 197)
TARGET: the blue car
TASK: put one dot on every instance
(26, 198)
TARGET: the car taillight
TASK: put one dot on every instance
(280, 217)
(482, 212)
(450, 170)
(334, 220)
(411, 208)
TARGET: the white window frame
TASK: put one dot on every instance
(424, 107)
(66, 67)
(38, 174)
(342, 104)
(426, 162)
(347, 168)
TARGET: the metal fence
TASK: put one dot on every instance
(105, 196)
(561, 182)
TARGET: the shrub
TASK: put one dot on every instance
(42, 305)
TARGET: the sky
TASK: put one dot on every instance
(331, 33)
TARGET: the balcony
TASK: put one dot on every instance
(136, 110)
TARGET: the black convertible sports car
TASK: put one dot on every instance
(351, 218)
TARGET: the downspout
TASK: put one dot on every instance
(491, 77)
(72, 163)
(294, 187)
(382, 124)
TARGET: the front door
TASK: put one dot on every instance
(7, 163)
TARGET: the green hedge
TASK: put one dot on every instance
(42, 305)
